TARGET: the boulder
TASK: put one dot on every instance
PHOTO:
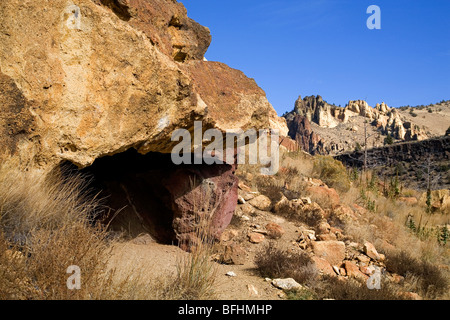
(90, 79)
(331, 251)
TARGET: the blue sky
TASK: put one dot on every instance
(310, 47)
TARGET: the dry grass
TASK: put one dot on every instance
(333, 288)
(428, 278)
(196, 274)
(47, 225)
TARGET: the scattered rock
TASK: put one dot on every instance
(327, 237)
(363, 258)
(231, 274)
(233, 254)
(274, 230)
(228, 235)
(286, 284)
(353, 271)
(323, 266)
(247, 209)
(370, 251)
(255, 237)
(332, 251)
(261, 202)
(323, 227)
(367, 270)
(252, 290)
(241, 199)
(337, 270)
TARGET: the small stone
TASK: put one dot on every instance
(233, 254)
(286, 284)
(228, 235)
(336, 269)
(256, 237)
(274, 230)
(261, 202)
(323, 227)
(370, 251)
(353, 271)
(247, 209)
(231, 274)
(252, 290)
(367, 270)
(363, 258)
(241, 200)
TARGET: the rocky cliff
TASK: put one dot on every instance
(340, 129)
(86, 79)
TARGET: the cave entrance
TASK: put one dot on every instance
(134, 201)
(150, 194)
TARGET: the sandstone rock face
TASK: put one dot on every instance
(105, 76)
(87, 79)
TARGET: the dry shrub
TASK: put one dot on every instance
(333, 288)
(332, 172)
(274, 262)
(431, 282)
(46, 226)
(195, 277)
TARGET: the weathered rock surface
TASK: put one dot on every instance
(105, 76)
(331, 251)
(88, 79)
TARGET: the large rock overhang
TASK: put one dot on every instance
(81, 84)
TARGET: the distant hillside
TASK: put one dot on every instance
(323, 128)
(413, 162)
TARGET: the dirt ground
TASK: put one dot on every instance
(158, 260)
